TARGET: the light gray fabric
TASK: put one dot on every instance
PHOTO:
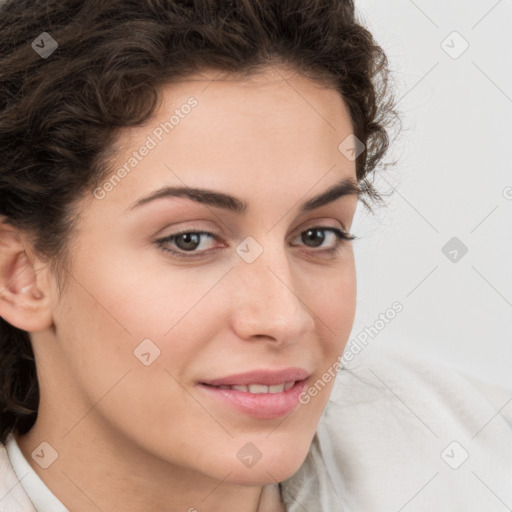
(378, 445)
(28, 489)
(13, 497)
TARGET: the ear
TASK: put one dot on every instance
(24, 290)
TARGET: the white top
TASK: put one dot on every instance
(43, 500)
(401, 432)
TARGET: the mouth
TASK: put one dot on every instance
(257, 399)
(258, 388)
(263, 377)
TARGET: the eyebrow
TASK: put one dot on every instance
(345, 187)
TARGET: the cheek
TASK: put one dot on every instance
(105, 360)
(121, 292)
(335, 307)
(118, 315)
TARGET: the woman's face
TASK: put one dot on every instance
(141, 334)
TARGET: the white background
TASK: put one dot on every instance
(455, 154)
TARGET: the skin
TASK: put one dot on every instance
(133, 437)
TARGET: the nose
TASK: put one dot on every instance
(268, 302)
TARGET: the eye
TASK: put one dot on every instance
(189, 241)
(186, 241)
(338, 236)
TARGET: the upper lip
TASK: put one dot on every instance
(265, 377)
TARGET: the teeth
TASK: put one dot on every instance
(258, 388)
(261, 388)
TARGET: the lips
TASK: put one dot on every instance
(260, 377)
(260, 388)
(263, 394)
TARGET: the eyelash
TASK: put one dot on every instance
(342, 237)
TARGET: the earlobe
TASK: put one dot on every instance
(24, 297)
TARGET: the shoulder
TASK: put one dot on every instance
(13, 497)
(401, 425)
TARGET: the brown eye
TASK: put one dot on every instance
(185, 242)
(313, 235)
(188, 241)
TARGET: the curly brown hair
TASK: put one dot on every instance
(60, 115)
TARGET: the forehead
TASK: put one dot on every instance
(244, 134)
(231, 107)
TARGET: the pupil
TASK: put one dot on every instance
(317, 240)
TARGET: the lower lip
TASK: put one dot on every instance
(259, 405)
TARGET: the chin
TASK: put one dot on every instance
(276, 467)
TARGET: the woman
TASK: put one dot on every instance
(179, 180)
